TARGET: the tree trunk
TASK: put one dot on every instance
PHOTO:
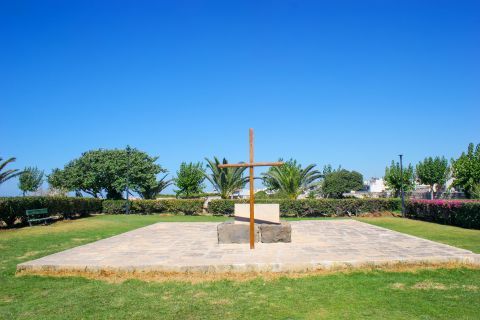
(431, 193)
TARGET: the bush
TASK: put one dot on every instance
(461, 213)
(187, 207)
(313, 207)
(13, 208)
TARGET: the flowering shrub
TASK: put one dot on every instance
(462, 213)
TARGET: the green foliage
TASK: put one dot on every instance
(291, 179)
(13, 208)
(466, 170)
(30, 180)
(393, 178)
(459, 213)
(312, 207)
(475, 193)
(153, 191)
(225, 180)
(7, 174)
(105, 171)
(433, 171)
(338, 182)
(190, 179)
(178, 206)
(261, 195)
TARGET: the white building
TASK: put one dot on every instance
(375, 185)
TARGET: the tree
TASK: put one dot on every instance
(338, 182)
(105, 171)
(58, 180)
(190, 179)
(291, 179)
(7, 174)
(475, 193)
(466, 170)
(225, 180)
(152, 191)
(30, 180)
(433, 171)
(393, 178)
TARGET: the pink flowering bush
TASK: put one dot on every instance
(462, 213)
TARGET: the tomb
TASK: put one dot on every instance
(267, 229)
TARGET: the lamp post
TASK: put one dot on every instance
(401, 185)
(127, 206)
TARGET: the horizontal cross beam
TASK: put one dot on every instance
(251, 164)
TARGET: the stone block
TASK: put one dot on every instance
(229, 232)
(264, 213)
(271, 233)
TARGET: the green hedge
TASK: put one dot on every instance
(313, 207)
(13, 208)
(187, 207)
(461, 213)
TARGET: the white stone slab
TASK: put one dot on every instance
(264, 213)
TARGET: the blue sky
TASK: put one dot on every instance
(333, 82)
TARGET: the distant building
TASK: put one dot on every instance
(375, 185)
(245, 193)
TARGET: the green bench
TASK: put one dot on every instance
(37, 215)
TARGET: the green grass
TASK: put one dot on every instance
(428, 294)
(459, 237)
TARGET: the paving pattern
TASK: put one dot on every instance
(193, 247)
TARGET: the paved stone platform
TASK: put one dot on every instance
(193, 247)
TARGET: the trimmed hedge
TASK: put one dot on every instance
(313, 207)
(188, 207)
(461, 213)
(13, 208)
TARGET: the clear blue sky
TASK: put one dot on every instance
(328, 82)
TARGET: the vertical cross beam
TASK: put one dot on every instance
(252, 196)
(251, 166)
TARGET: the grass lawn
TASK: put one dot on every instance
(458, 237)
(427, 294)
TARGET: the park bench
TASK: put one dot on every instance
(37, 215)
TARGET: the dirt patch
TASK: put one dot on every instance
(470, 288)
(28, 254)
(200, 294)
(221, 302)
(429, 285)
(7, 299)
(113, 276)
(397, 286)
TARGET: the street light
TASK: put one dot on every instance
(127, 206)
(401, 185)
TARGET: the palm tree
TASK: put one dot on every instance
(151, 192)
(225, 180)
(8, 174)
(290, 179)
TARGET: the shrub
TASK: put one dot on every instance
(13, 208)
(313, 207)
(184, 206)
(114, 206)
(461, 213)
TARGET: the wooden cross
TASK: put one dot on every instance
(251, 165)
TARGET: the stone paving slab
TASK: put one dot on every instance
(193, 247)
